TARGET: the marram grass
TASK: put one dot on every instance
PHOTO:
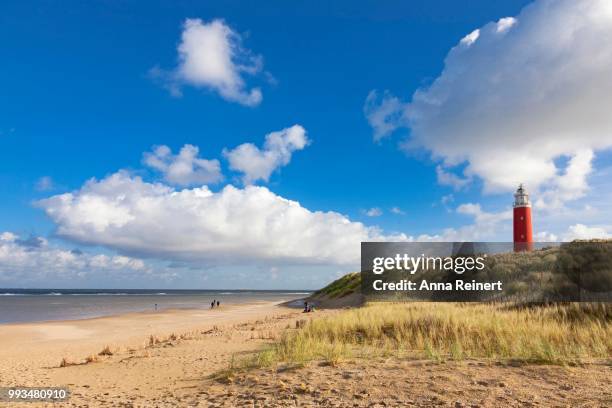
(554, 334)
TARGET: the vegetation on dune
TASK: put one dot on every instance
(575, 271)
(530, 323)
(554, 334)
(344, 286)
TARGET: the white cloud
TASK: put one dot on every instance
(211, 55)
(483, 217)
(581, 231)
(470, 38)
(185, 168)
(449, 179)
(374, 212)
(486, 226)
(8, 237)
(44, 183)
(230, 226)
(382, 115)
(259, 164)
(398, 211)
(516, 98)
(21, 261)
(569, 185)
(545, 236)
(504, 24)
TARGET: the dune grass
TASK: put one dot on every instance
(106, 351)
(343, 286)
(554, 334)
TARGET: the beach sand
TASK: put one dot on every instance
(173, 368)
(155, 354)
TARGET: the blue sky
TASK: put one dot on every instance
(80, 100)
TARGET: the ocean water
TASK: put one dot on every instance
(29, 305)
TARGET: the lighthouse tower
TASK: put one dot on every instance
(523, 230)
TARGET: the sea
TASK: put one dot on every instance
(30, 305)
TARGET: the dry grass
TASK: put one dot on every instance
(553, 334)
(106, 351)
(228, 375)
(66, 362)
(91, 359)
(153, 340)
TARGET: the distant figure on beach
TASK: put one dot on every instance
(156, 307)
(218, 303)
(308, 308)
(212, 304)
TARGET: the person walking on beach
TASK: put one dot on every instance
(218, 303)
(212, 304)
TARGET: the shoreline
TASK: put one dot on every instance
(227, 306)
(52, 340)
(26, 308)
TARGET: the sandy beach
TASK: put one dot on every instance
(153, 354)
(170, 359)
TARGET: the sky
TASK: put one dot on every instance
(255, 145)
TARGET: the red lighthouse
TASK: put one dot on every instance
(523, 230)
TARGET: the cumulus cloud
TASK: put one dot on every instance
(523, 99)
(384, 113)
(470, 38)
(545, 236)
(569, 185)
(185, 168)
(581, 231)
(504, 24)
(211, 56)
(373, 212)
(259, 164)
(449, 179)
(253, 224)
(485, 226)
(31, 242)
(483, 217)
(34, 258)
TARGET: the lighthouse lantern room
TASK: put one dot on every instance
(523, 230)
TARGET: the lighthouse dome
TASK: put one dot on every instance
(521, 197)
